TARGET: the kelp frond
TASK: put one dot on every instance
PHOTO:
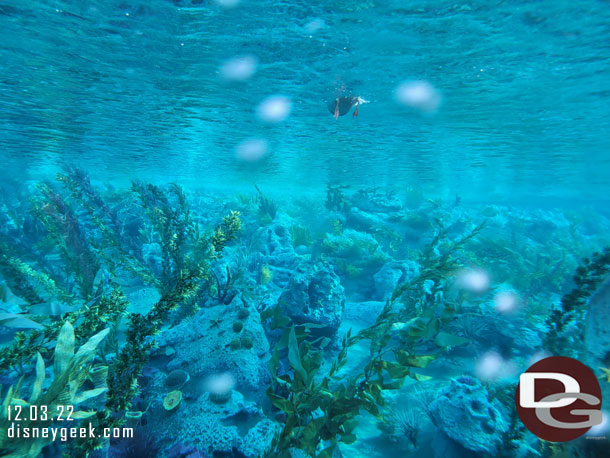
(70, 370)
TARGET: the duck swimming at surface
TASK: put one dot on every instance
(342, 105)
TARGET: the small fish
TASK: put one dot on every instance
(15, 320)
(52, 308)
(342, 105)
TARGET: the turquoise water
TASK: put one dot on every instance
(464, 195)
(133, 87)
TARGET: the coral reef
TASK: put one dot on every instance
(180, 326)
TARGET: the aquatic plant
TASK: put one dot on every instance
(223, 290)
(75, 246)
(70, 371)
(266, 274)
(169, 216)
(267, 209)
(300, 235)
(238, 326)
(322, 409)
(129, 362)
(588, 277)
(225, 233)
(118, 250)
(335, 199)
(387, 237)
(13, 274)
(107, 311)
(99, 303)
(605, 373)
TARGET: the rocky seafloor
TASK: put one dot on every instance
(475, 293)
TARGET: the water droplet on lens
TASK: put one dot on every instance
(420, 95)
(274, 109)
(239, 68)
(252, 150)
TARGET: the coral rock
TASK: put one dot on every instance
(464, 413)
(315, 295)
(392, 273)
(203, 345)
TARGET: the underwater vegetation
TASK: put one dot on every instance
(94, 251)
(70, 371)
(258, 333)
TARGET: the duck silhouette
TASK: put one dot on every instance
(341, 106)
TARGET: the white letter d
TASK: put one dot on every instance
(527, 382)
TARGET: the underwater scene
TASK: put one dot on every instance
(304, 229)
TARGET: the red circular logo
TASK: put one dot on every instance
(559, 399)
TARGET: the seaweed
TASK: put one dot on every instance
(92, 317)
(114, 243)
(300, 235)
(169, 216)
(70, 371)
(587, 278)
(89, 237)
(322, 409)
(267, 209)
(335, 199)
(224, 292)
(63, 226)
(13, 274)
(32, 283)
